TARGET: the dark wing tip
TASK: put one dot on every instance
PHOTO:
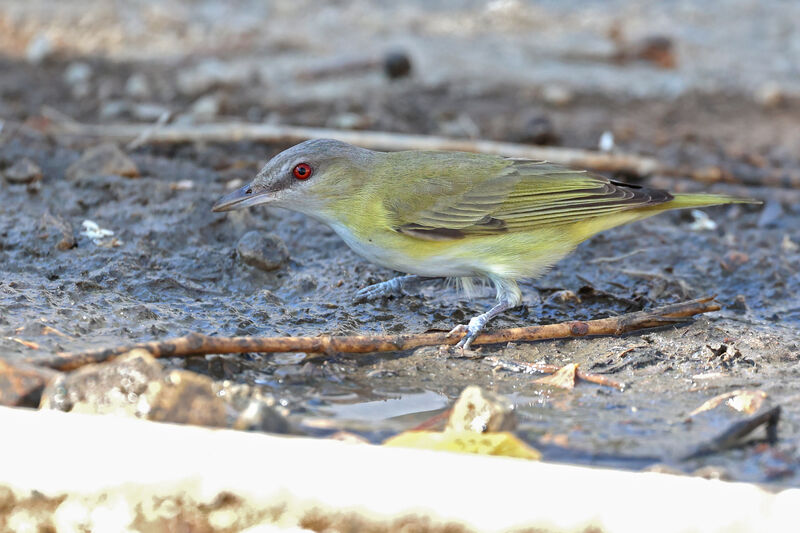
(430, 234)
(638, 195)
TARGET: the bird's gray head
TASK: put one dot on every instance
(301, 176)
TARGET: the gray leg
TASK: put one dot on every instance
(385, 288)
(508, 296)
(476, 324)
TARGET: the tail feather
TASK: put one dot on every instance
(585, 229)
(688, 200)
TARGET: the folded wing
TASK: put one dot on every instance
(520, 195)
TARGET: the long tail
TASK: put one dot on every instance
(585, 229)
(683, 201)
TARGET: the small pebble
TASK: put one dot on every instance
(770, 95)
(771, 215)
(211, 73)
(137, 86)
(93, 231)
(182, 185)
(537, 129)
(102, 160)
(77, 73)
(263, 251)
(23, 171)
(396, 65)
(739, 303)
(557, 95)
(348, 121)
(39, 49)
(206, 107)
(606, 143)
(788, 245)
(702, 222)
(148, 112)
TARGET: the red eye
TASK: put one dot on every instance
(302, 171)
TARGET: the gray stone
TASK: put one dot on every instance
(109, 388)
(185, 397)
(206, 107)
(77, 72)
(23, 171)
(102, 160)
(148, 112)
(137, 385)
(263, 251)
(213, 73)
(557, 95)
(137, 86)
(39, 49)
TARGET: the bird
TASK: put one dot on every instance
(439, 214)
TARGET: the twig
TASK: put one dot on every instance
(617, 258)
(542, 368)
(733, 436)
(148, 133)
(199, 344)
(758, 177)
(243, 131)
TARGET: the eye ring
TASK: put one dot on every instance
(302, 171)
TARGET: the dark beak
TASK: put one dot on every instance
(240, 198)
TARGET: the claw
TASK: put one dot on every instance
(369, 293)
(385, 288)
(475, 326)
(458, 330)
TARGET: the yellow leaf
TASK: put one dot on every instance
(743, 400)
(501, 443)
(564, 378)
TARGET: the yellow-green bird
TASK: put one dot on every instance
(452, 214)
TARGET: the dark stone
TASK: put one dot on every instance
(266, 252)
(536, 128)
(184, 397)
(21, 385)
(23, 171)
(396, 65)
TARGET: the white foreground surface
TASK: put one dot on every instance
(126, 464)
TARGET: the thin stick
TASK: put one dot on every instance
(145, 136)
(733, 436)
(199, 344)
(243, 131)
(543, 368)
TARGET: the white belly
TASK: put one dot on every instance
(437, 266)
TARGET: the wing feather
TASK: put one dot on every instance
(517, 195)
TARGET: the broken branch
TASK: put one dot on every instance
(243, 131)
(199, 344)
(544, 368)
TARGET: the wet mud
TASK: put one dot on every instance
(172, 266)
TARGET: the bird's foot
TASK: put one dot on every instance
(470, 332)
(475, 326)
(383, 289)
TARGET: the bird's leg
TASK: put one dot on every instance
(385, 288)
(476, 325)
(508, 296)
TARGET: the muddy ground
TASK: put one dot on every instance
(509, 71)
